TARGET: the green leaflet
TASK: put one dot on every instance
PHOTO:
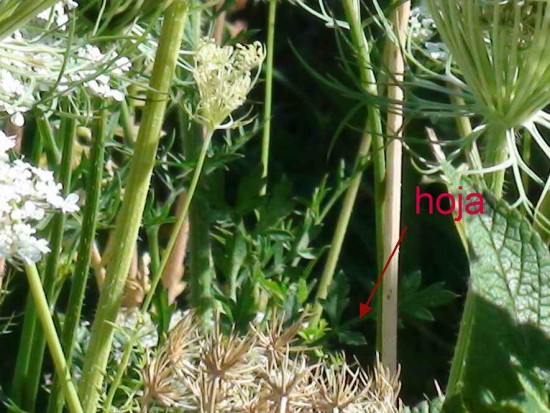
(431, 406)
(506, 323)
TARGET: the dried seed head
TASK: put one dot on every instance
(287, 384)
(229, 357)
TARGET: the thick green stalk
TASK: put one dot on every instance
(78, 287)
(67, 132)
(133, 204)
(368, 81)
(45, 318)
(266, 135)
(341, 228)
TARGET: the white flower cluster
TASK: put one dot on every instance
(224, 78)
(96, 82)
(421, 29)
(32, 62)
(27, 196)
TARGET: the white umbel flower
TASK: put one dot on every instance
(27, 196)
(224, 78)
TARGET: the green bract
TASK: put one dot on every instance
(502, 49)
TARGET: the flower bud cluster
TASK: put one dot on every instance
(224, 78)
(27, 196)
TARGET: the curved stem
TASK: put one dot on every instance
(45, 318)
(133, 204)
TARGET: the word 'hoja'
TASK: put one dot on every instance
(473, 204)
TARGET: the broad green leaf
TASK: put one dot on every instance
(506, 322)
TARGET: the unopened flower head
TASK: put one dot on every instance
(27, 196)
(224, 78)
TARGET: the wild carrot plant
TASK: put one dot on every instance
(195, 198)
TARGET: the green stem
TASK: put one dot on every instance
(181, 219)
(23, 15)
(50, 146)
(266, 136)
(67, 132)
(341, 228)
(115, 384)
(463, 343)
(368, 81)
(20, 376)
(45, 318)
(89, 223)
(496, 152)
(133, 204)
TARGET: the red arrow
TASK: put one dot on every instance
(365, 308)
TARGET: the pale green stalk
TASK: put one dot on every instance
(392, 200)
(56, 352)
(266, 135)
(135, 195)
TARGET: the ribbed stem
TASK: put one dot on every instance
(368, 82)
(80, 277)
(67, 133)
(45, 318)
(135, 195)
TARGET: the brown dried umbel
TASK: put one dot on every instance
(259, 372)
